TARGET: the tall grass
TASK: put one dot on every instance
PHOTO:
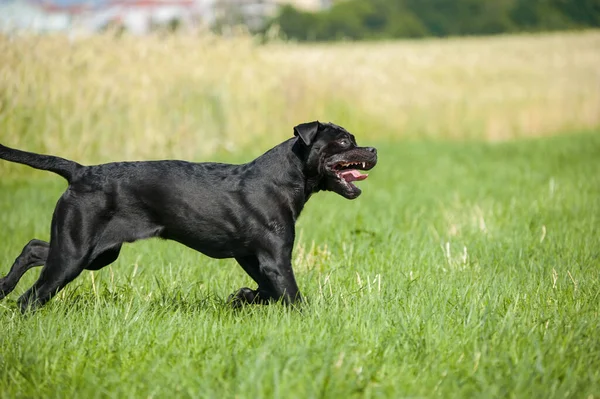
(102, 98)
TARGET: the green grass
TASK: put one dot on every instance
(464, 270)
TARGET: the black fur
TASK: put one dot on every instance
(247, 212)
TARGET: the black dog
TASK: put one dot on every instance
(247, 212)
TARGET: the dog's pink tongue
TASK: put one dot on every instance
(352, 175)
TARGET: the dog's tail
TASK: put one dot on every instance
(63, 167)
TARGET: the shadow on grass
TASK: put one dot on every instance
(121, 299)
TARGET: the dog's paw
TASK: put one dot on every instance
(4, 288)
(244, 296)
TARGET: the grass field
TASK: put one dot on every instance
(465, 269)
(469, 267)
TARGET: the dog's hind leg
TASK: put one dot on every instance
(33, 254)
(60, 269)
(74, 235)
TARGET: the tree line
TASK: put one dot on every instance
(387, 19)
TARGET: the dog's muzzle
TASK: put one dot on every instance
(345, 168)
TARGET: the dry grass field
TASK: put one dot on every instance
(105, 98)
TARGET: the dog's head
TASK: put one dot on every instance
(334, 158)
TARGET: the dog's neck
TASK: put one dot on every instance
(291, 157)
(312, 179)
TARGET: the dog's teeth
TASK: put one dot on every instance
(363, 165)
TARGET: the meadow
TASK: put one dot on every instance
(103, 98)
(469, 267)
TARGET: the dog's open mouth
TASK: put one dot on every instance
(350, 171)
(345, 169)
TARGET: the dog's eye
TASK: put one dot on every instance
(344, 142)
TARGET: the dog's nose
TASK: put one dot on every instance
(372, 149)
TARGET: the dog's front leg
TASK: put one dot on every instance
(279, 281)
(272, 271)
(247, 295)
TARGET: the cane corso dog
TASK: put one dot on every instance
(247, 212)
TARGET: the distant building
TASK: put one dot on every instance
(308, 5)
(142, 16)
(138, 16)
(33, 16)
(254, 12)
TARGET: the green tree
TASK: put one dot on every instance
(380, 19)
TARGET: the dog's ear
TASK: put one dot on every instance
(307, 131)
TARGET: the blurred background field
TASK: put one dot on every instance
(103, 97)
(469, 266)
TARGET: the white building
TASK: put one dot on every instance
(141, 16)
(137, 16)
(25, 15)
